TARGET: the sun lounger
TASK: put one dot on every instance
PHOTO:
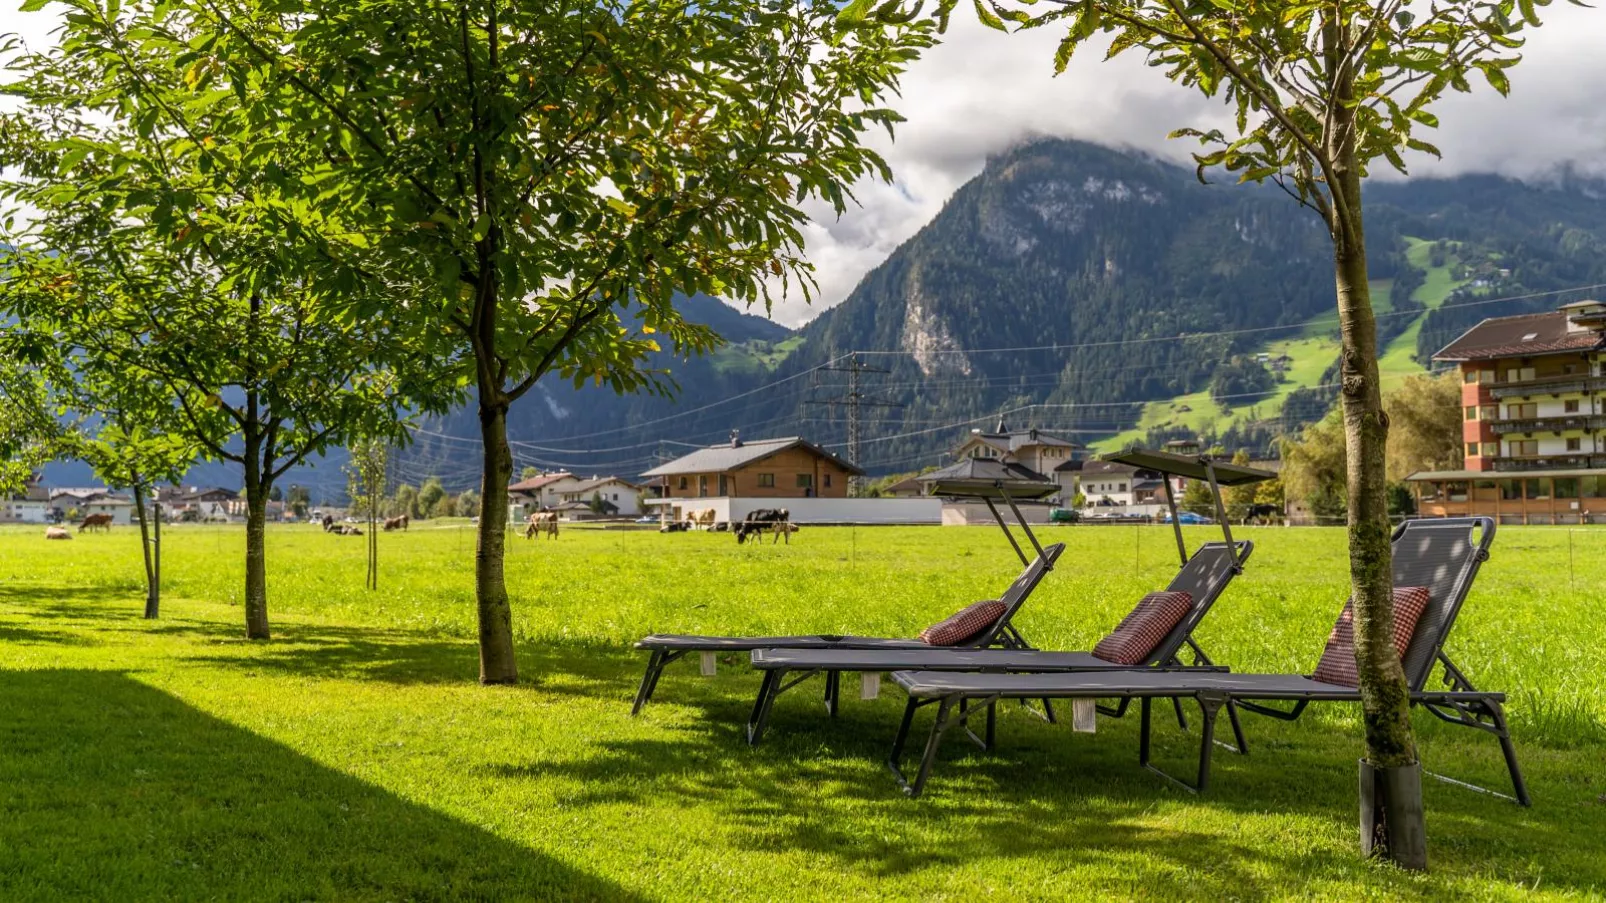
(1204, 577)
(1439, 555)
(667, 648)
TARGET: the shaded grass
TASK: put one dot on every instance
(172, 759)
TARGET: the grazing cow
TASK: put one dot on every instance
(775, 520)
(542, 522)
(346, 530)
(396, 523)
(96, 522)
(57, 533)
(701, 518)
(328, 523)
(675, 526)
(1264, 514)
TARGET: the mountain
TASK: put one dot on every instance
(1104, 294)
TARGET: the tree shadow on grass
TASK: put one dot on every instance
(111, 789)
(818, 786)
(404, 658)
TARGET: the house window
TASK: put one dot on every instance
(1524, 446)
(1590, 487)
(1575, 444)
(1510, 490)
(1469, 376)
(1489, 412)
(1491, 449)
(1522, 411)
(766, 481)
(682, 482)
(702, 487)
(828, 481)
(1536, 489)
(1570, 407)
(1471, 412)
(1566, 487)
(1472, 449)
(1457, 491)
(805, 481)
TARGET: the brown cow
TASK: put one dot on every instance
(701, 518)
(542, 522)
(96, 522)
(396, 523)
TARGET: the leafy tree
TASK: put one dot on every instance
(367, 471)
(27, 431)
(1322, 90)
(468, 503)
(405, 501)
(1270, 492)
(1424, 415)
(1239, 499)
(529, 473)
(1079, 501)
(276, 495)
(164, 247)
(1315, 466)
(1402, 502)
(299, 500)
(1196, 497)
(600, 505)
(430, 496)
(550, 176)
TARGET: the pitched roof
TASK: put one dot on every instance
(1524, 335)
(599, 482)
(979, 477)
(536, 482)
(727, 457)
(908, 484)
(1015, 440)
(200, 493)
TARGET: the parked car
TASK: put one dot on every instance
(1188, 518)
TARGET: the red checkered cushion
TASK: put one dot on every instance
(964, 624)
(1140, 631)
(1338, 659)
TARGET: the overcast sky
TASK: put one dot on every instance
(982, 91)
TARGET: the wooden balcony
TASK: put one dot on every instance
(1547, 385)
(1564, 461)
(1550, 424)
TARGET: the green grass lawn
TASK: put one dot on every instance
(354, 757)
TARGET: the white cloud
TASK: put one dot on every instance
(982, 91)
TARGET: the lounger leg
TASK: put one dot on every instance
(1508, 748)
(1143, 731)
(833, 685)
(649, 681)
(903, 735)
(1237, 729)
(992, 724)
(767, 691)
(1182, 720)
(1210, 704)
(933, 743)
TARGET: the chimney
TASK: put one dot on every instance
(736, 438)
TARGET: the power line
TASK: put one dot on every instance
(856, 401)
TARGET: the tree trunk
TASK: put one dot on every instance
(1385, 698)
(256, 566)
(497, 662)
(153, 601)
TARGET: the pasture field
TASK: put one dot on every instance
(353, 757)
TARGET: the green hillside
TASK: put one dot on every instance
(1310, 355)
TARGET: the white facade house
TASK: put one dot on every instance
(1043, 453)
(31, 506)
(540, 493)
(623, 495)
(98, 500)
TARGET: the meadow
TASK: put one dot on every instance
(353, 757)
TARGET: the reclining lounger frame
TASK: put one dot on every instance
(990, 481)
(1460, 704)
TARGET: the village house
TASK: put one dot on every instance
(621, 496)
(908, 488)
(77, 504)
(31, 506)
(764, 468)
(1053, 458)
(1533, 421)
(542, 492)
